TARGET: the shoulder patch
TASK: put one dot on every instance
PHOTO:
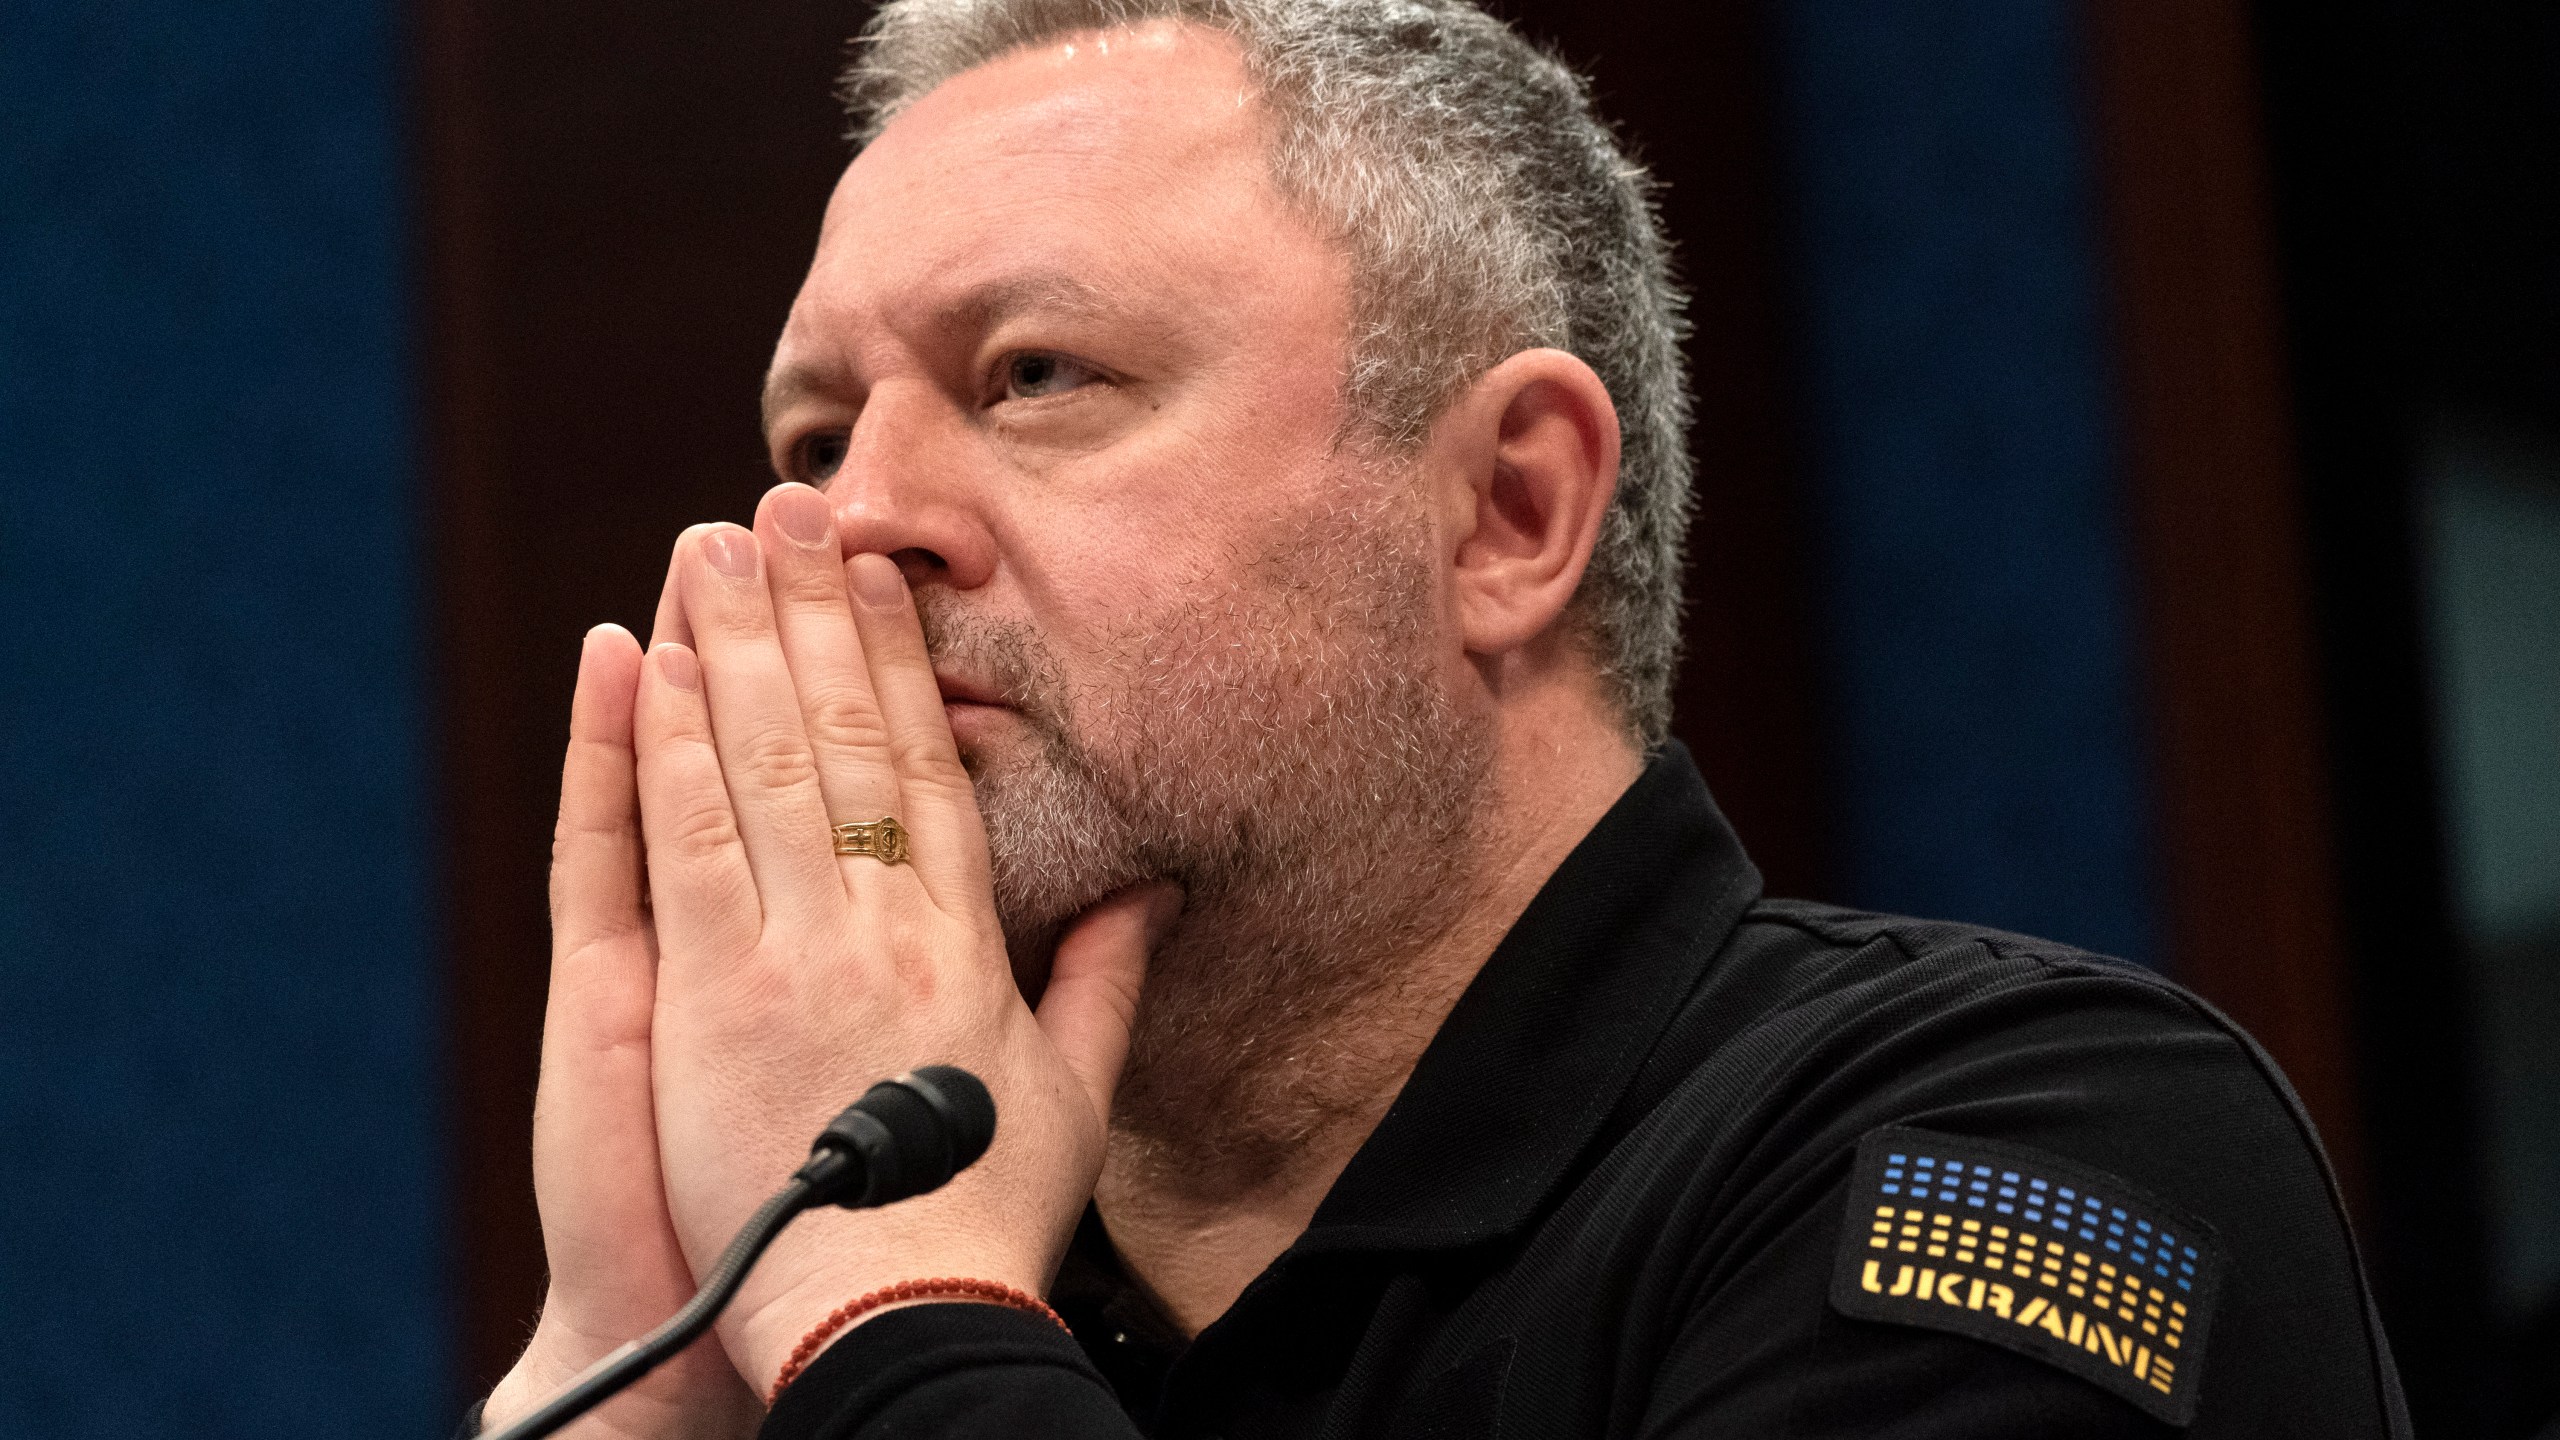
(2056, 1261)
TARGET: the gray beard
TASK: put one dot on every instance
(1286, 752)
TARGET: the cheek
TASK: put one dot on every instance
(1161, 521)
(1177, 511)
(1083, 561)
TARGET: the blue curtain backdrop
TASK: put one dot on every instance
(1985, 741)
(221, 1169)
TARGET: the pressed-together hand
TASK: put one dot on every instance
(705, 1024)
(616, 1268)
(790, 978)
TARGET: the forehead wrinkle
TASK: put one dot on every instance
(981, 308)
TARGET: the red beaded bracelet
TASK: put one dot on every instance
(987, 1291)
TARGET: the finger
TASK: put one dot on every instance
(593, 1116)
(949, 850)
(703, 896)
(1092, 999)
(805, 572)
(764, 750)
(596, 878)
(670, 626)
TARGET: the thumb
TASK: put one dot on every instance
(1092, 998)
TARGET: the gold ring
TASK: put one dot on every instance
(884, 840)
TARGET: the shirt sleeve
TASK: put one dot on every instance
(951, 1372)
(2114, 1075)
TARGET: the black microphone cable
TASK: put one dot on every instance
(905, 1136)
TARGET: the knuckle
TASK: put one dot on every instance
(591, 947)
(701, 830)
(841, 718)
(814, 586)
(739, 612)
(921, 759)
(775, 758)
(574, 832)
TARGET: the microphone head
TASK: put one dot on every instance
(968, 1111)
(912, 1134)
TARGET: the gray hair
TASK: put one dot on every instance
(1486, 209)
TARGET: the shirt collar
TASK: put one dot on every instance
(1552, 1030)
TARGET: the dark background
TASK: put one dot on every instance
(2129, 446)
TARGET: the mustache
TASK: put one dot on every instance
(1009, 656)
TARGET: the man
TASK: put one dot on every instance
(1231, 521)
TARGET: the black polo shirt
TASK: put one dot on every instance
(1687, 1162)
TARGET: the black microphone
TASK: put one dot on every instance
(905, 1136)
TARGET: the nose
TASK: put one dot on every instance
(908, 489)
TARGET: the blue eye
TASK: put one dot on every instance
(821, 456)
(1035, 374)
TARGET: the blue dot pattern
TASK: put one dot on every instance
(2028, 1199)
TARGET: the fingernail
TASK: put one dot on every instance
(877, 581)
(803, 514)
(731, 551)
(680, 667)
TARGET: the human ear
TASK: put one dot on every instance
(1536, 440)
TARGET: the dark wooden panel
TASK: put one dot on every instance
(1689, 85)
(2240, 753)
(619, 202)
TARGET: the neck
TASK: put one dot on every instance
(1199, 1199)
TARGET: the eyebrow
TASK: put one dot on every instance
(1053, 291)
(789, 383)
(1035, 291)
